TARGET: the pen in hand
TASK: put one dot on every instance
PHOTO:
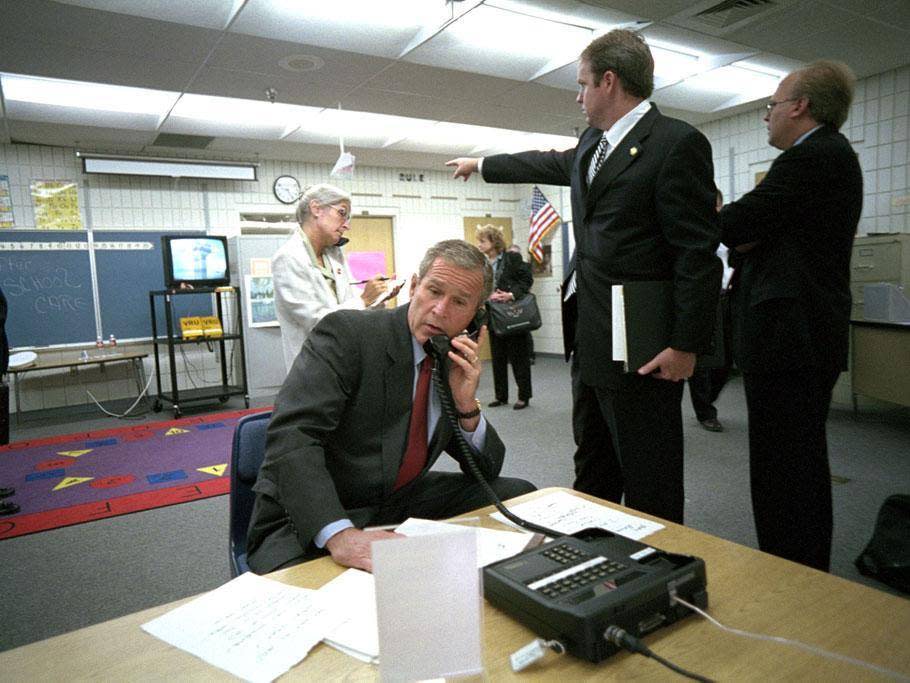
(363, 282)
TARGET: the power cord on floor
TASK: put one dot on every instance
(627, 641)
(814, 649)
(128, 410)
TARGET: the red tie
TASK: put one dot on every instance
(415, 457)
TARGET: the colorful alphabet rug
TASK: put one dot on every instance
(75, 478)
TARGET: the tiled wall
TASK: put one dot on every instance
(877, 127)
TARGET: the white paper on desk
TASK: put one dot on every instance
(492, 544)
(428, 607)
(566, 513)
(252, 627)
(352, 595)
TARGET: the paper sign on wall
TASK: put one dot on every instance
(56, 205)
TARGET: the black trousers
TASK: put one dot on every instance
(788, 462)
(630, 443)
(514, 349)
(705, 386)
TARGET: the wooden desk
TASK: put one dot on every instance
(74, 363)
(747, 589)
(880, 363)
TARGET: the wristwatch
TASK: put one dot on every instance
(471, 413)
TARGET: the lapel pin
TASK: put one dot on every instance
(633, 152)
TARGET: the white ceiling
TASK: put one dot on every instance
(441, 63)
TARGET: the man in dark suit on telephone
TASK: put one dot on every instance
(357, 425)
(642, 209)
(791, 305)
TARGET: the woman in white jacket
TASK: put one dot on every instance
(310, 273)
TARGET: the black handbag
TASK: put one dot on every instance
(887, 555)
(514, 317)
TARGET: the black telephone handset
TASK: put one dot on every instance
(438, 347)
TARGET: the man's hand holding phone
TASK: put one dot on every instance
(464, 375)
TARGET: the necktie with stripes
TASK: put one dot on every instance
(598, 160)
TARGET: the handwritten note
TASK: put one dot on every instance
(567, 514)
(252, 627)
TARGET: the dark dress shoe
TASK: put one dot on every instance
(712, 425)
(496, 403)
(6, 492)
(520, 405)
(8, 508)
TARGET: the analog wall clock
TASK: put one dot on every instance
(286, 189)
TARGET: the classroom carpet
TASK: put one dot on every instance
(76, 478)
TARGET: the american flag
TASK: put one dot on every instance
(543, 218)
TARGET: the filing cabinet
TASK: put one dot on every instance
(878, 258)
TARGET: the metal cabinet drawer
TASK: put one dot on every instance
(876, 262)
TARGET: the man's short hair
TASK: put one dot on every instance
(828, 85)
(626, 54)
(324, 194)
(492, 234)
(461, 255)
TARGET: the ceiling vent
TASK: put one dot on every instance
(724, 17)
(186, 141)
(730, 12)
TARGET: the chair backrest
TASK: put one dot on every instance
(247, 452)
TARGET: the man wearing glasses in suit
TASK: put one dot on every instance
(791, 305)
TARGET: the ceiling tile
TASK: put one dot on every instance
(212, 14)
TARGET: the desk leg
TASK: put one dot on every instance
(139, 373)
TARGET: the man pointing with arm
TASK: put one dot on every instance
(643, 209)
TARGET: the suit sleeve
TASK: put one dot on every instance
(490, 459)
(295, 456)
(767, 212)
(546, 168)
(685, 207)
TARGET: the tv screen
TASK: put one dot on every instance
(199, 260)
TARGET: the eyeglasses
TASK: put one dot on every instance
(341, 212)
(771, 103)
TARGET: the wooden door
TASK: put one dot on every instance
(471, 223)
(373, 234)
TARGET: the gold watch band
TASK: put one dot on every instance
(471, 413)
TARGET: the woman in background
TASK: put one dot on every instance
(512, 279)
(310, 273)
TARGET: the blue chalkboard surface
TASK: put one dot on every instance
(129, 266)
(46, 277)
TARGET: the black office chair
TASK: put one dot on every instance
(247, 452)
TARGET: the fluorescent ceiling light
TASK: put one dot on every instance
(745, 82)
(377, 14)
(357, 128)
(83, 95)
(172, 168)
(237, 112)
(497, 32)
(672, 63)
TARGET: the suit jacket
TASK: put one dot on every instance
(338, 434)
(648, 215)
(791, 304)
(515, 275)
(302, 294)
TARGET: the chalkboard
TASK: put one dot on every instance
(46, 277)
(129, 265)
